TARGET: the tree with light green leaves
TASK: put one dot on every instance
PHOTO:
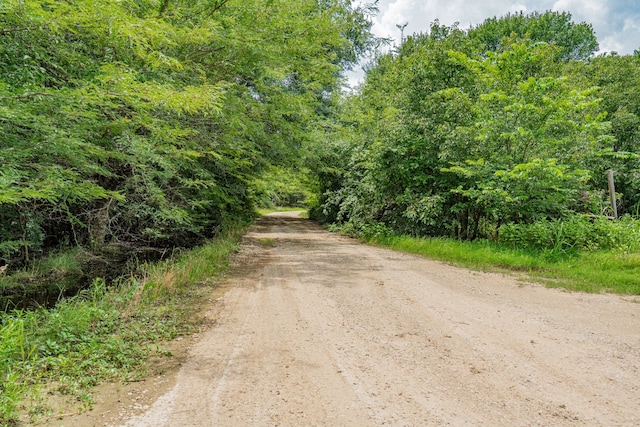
(145, 122)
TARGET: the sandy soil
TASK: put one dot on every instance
(317, 329)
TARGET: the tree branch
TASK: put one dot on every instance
(216, 8)
(202, 51)
(15, 30)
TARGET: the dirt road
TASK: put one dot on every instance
(319, 330)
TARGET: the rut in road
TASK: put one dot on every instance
(318, 329)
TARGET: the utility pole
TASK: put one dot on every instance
(612, 193)
(401, 27)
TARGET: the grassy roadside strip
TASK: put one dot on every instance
(601, 271)
(105, 332)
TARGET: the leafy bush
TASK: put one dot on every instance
(365, 230)
(577, 232)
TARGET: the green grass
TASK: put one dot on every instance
(56, 264)
(602, 271)
(105, 332)
(477, 255)
(64, 262)
(267, 242)
(265, 211)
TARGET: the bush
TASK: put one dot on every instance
(364, 230)
(578, 232)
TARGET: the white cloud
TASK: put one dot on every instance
(517, 8)
(611, 44)
(595, 12)
(616, 22)
(631, 25)
(625, 40)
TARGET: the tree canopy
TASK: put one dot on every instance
(156, 122)
(456, 132)
(145, 122)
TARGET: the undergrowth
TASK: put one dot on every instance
(575, 233)
(104, 332)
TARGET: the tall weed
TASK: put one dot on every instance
(575, 233)
(104, 332)
(13, 348)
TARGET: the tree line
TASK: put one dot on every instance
(145, 122)
(153, 123)
(459, 132)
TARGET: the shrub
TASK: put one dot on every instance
(578, 232)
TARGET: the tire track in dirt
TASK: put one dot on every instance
(318, 329)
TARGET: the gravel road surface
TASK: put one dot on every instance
(317, 329)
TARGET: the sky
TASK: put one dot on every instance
(615, 22)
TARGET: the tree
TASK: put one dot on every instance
(146, 122)
(618, 80)
(453, 140)
(575, 41)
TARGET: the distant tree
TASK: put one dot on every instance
(575, 41)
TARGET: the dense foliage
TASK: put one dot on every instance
(457, 133)
(104, 333)
(143, 125)
(145, 122)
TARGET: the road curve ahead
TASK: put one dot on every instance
(317, 329)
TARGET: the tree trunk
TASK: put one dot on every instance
(99, 224)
